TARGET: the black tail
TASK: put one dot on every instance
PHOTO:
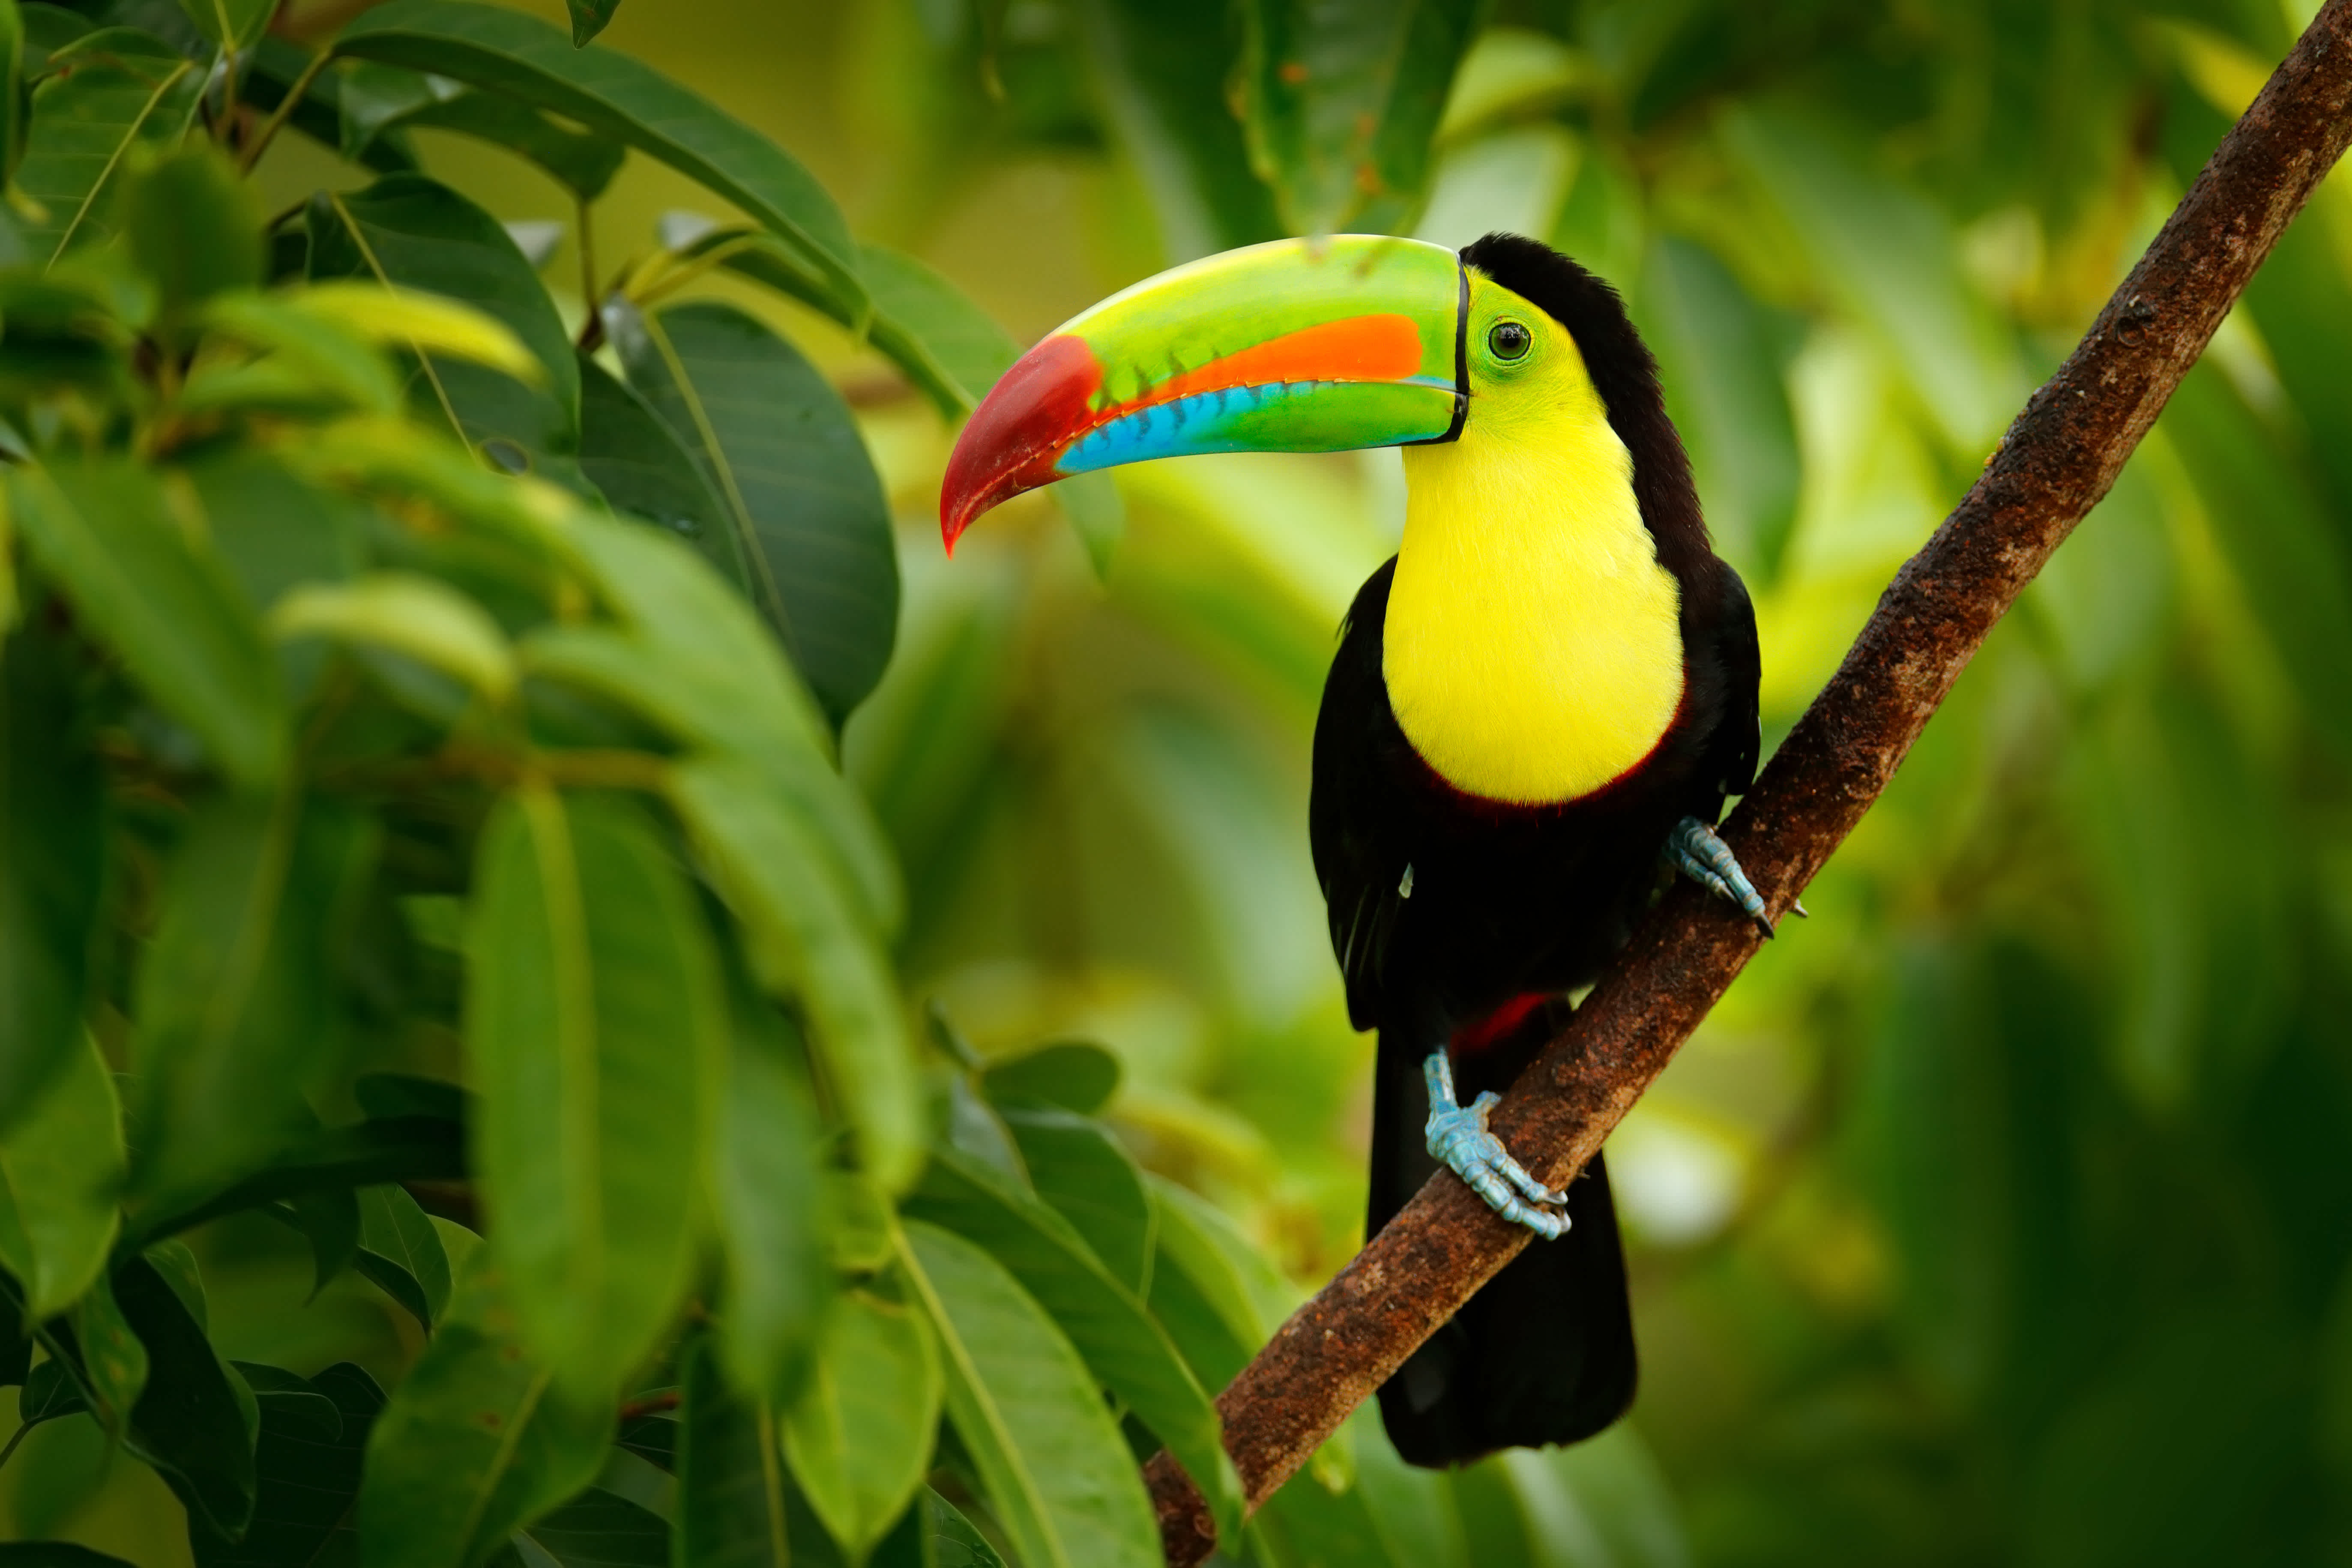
(1544, 1353)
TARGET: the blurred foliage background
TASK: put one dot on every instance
(2003, 1212)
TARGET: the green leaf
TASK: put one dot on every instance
(307, 1468)
(14, 62)
(52, 867)
(402, 1253)
(732, 1509)
(106, 536)
(859, 1435)
(329, 1218)
(1096, 513)
(195, 229)
(1109, 1326)
(235, 998)
(1211, 1291)
(1339, 106)
(600, 1529)
(479, 1440)
(48, 28)
(808, 526)
(409, 232)
(935, 1534)
(596, 1024)
(630, 455)
(277, 64)
(400, 1148)
(55, 1555)
(50, 1392)
(1087, 1178)
(1165, 83)
(104, 1355)
(405, 612)
(127, 90)
(230, 23)
(806, 940)
(1058, 1476)
(521, 57)
(1728, 398)
(1076, 1075)
(590, 18)
(769, 1198)
(187, 1422)
(274, 530)
(380, 101)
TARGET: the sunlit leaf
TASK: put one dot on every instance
(1340, 106)
(859, 1435)
(524, 58)
(596, 1028)
(106, 536)
(1059, 1479)
(407, 613)
(52, 863)
(63, 1166)
(808, 527)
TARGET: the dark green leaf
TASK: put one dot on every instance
(14, 73)
(275, 66)
(48, 28)
(389, 1096)
(935, 1534)
(479, 1441)
(308, 1471)
(643, 469)
(48, 1392)
(402, 1253)
(1202, 1290)
(127, 90)
(102, 1352)
(1340, 105)
(731, 1510)
(234, 995)
(807, 942)
(414, 233)
(54, 1554)
(52, 865)
(597, 1024)
(598, 1530)
(187, 1422)
(329, 1220)
(590, 18)
(653, 1438)
(1087, 1178)
(1059, 1477)
(380, 103)
(768, 1193)
(1166, 85)
(859, 1435)
(521, 57)
(809, 529)
(1076, 1075)
(167, 609)
(16, 1349)
(230, 23)
(195, 229)
(400, 1148)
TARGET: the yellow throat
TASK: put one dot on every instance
(1533, 645)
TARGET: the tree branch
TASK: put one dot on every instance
(2052, 466)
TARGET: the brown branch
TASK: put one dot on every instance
(2055, 464)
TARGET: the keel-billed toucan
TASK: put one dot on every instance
(1536, 706)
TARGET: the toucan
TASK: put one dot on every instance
(1535, 713)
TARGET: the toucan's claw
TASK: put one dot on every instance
(1706, 859)
(1797, 907)
(1457, 1136)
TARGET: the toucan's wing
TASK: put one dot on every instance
(1354, 818)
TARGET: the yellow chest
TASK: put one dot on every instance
(1533, 644)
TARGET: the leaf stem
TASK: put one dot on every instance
(9, 1451)
(284, 110)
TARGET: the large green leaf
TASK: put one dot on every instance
(597, 1028)
(1129, 1352)
(1211, 1291)
(235, 999)
(807, 942)
(309, 1473)
(271, 71)
(479, 1440)
(52, 866)
(1340, 104)
(601, 1530)
(410, 232)
(390, 1149)
(521, 57)
(859, 1435)
(731, 1510)
(106, 536)
(127, 90)
(1061, 1481)
(187, 1422)
(1165, 81)
(1087, 1178)
(1076, 1075)
(768, 1196)
(379, 101)
(808, 527)
(643, 468)
(62, 1166)
(402, 1253)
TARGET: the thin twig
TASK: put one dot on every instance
(2056, 461)
(284, 110)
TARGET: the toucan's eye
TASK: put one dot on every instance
(1510, 341)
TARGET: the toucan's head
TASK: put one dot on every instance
(1323, 345)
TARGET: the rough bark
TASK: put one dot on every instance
(2057, 459)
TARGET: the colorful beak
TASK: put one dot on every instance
(1296, 346)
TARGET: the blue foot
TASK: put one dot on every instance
(1699, 855)
(1458, 1136)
